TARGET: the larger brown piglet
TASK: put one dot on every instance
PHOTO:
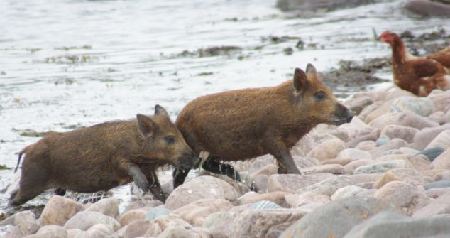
(103, 156)
(243, 124)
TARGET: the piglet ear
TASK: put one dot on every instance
(300, 80)
(311, 72)
(146, 126)
(160, 111)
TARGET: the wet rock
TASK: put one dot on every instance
(306, 198)
(442, 161)
(106, 206)
(139, 228)
(58, 210)
(292, 182)
(349, 192)
(266, 170)
(438, 117)
(438, 184)
(388, 148)
(420, 163)
(132, 215)
(304, 162)
(84, 220)
(201, 187)
(335, 219)
(420, 105)
(140, 203)
(25, 221)
(393, 225)
(264, 205)
(403, 119)
(196, 212)
(381, 166)
(357, 104)
(438, 206)
(329, 186)
(156, 212)
(50, 231)
(327, 168)
(341, 162)
(276, 197)
(432, 153)
(350, 167)
(402, 195)
(101, 231)
(10, 231)
(181, 232)
(257, 223)
(403, 132)
(356, 128)
(428, 8)
(354, 154)
(218, 224)
(260, 183)
(442, 140)
(328, 149)
(425, 136)
(76, 233)
(401, 174)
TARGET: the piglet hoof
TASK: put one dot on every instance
(294, 171)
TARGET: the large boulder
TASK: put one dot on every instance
(425, 136)
(438, 206)
(196, 212)
(261, 223)
(402, 132)
(440, 141)
(132, 215)
(25, 221)
(329, 186)
(442, 161)
(84, 220)
(393, 225)
(428, 8)
(328, 149)
(335, 219)
(293, 182)
(403, 119)
(101, 231)
(50, 231)
(202, 187)
(313, 5)
(402, 195)
(58, 210)
(106, 206)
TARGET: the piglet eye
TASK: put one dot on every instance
(319, 95)
(170, 140)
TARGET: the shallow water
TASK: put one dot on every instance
(73, 63)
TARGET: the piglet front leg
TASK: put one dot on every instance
(138, 177)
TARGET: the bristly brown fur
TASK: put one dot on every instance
(100, 157)
(242, 124)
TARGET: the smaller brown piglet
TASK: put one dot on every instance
(103, 156)
(242, 124)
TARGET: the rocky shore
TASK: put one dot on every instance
(385, 174)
